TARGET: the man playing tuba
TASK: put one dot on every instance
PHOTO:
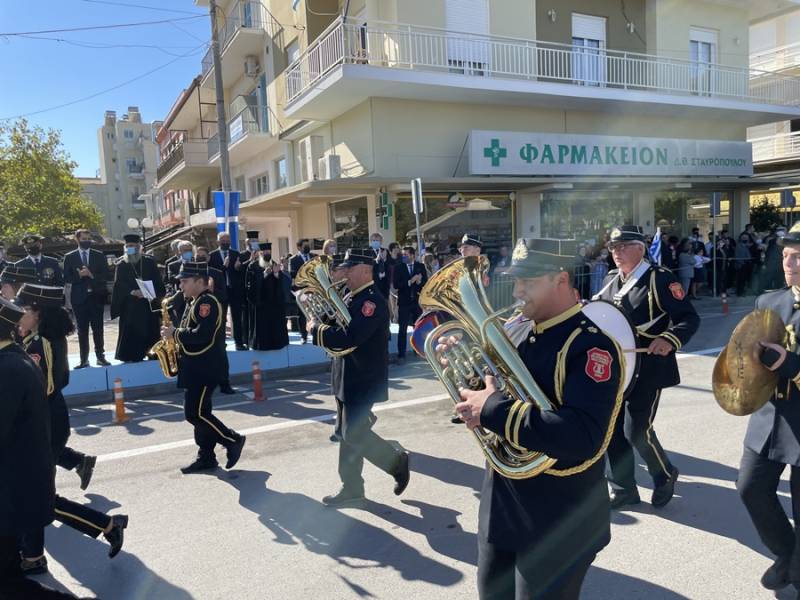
(772, 440)
(538, 536)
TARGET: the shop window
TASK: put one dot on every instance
(584, 216)
(350, 223)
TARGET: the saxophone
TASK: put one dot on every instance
(165, 350)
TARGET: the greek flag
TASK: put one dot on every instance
(655, 247)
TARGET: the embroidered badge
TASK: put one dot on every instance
(37, 358)
(677, 291)
(368, 308)
(204, 310)
(598, 365)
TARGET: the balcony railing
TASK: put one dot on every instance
(249, 118)
(175, 157)
(213, 146)
(245, 14)
(783, 146)
(783, 57)
(409, 47)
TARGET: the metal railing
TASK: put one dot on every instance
(782, 146)
(244, 14)
(398, 46)
(175, 157)
(213, 146)
(782, 57)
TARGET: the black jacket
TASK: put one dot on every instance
(48, 271)
(408, 295)
(26, 461)
(296, 262)
(234, 280)
(201, 343)
(361, 377)
(85, 287)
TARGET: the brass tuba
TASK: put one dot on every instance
(165, 350)
(320, 298)
(484, 349)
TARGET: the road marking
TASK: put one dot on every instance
(262, 429)
(700, 352)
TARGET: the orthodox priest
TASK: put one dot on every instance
(265, 295)
(138, 323)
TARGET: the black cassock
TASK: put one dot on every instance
(267, 306)
(139, 325)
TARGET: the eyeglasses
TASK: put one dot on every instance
(622, 246)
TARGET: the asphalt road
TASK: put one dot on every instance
(259, 531)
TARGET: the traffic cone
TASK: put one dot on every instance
(119, 403)
(724, 303)
(258, 389)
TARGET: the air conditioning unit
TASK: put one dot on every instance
(251, 67)
(330, 167)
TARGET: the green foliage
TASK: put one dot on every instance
(764, 215)
(38, 192)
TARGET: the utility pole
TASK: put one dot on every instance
(222, 123)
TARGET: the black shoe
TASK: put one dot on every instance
(402, 474)
(85, 470)
(226, 389)
(776, 577)
(101, 360)
(33, 567)
(241, 347)
(345, 497)
(82, 365)
(620, 498)
(305, 340)
(335, 438)
(116, 536)
(454, 418)
(199, 466)
(235, 451)
(663, 493)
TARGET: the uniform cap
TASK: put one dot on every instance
(626, 233)
(527, 261)
(358, 256)
(30, 238)
(132, 238)
(41, 296)
(10, 312)
(471, 239)
(193, 269)
(792, 237)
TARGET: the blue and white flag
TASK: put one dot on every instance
(655, 247)
(226, 209)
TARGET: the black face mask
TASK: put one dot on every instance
(34, 249)
(201, 259)
(306, 249)
(85, 244)
(225, 247)
(267, 256)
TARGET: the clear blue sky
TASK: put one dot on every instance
(39, 74)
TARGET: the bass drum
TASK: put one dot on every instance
(616, 325)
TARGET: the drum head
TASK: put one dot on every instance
(616, 325)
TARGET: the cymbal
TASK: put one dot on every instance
(741, 384)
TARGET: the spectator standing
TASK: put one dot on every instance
(226, 260)
(266, 296)
(670, 253)
(743, 263)
(303, 255)
(431, 264)
(700, 261)
(581, 272)
(329, 248)
(251, 246)
(599, 271)
(685, 270)
(409, 279)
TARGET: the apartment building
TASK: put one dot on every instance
(128, 158)
(548, 119)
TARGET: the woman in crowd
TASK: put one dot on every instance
(685, 270)
(700, 260)
(329, 248)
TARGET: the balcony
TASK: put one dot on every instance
(351, 62)
(185, 166)
(783, 147)
(136, 171)
(783, 58)
(248, 132)
(242, 34)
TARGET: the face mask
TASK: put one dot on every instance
(332, 250)
(131, 251)
(267, 256)
(306, 249)
(254, 246)
(375, 245)
(85, 244)
(406, 260)
(225, 246)
(33, 250)
(186, 255)
(201, 258)
(781, 234)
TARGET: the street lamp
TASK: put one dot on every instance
(145, 223)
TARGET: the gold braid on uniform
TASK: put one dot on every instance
(609, 432)
(213, 338)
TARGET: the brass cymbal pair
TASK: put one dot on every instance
(741, 383)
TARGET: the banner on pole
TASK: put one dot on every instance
(226, 210)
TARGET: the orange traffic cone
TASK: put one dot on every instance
(119, 402)
(724, 303)
(258, 389)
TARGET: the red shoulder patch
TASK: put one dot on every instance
(677, 291)
(598, 365)
(204, 310)
(368, 308)
(37, 358)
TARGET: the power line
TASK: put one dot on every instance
(116, 26)
(173, 10)
(98, 45)
(105, 91)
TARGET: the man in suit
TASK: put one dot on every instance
(48, 272)
(303, 255)
(225, 259)
(86, 270)
(409, 277)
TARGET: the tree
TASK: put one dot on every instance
(38, 192)
(764, 215)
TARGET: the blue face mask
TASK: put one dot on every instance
(131, 251)
(375, 245)
(254, 246)
(406, 260)
(186, 256)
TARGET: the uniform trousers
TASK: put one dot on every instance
(406, 315)
(634, 429)
(89, 313)
(359, 442)
(758, 485)
(66, 457)
(208, 429)
(13, 584)
(77, 516)
(511, 575)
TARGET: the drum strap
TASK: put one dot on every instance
(627, 286)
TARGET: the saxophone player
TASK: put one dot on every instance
(538, 536)
(200, 339)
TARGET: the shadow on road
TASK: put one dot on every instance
(601, 584)
(297, 519)
(448, 470)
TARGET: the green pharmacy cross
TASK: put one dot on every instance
(495, 152)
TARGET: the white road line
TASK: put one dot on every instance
(171, 413)
(262, 429)
(700, 352)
